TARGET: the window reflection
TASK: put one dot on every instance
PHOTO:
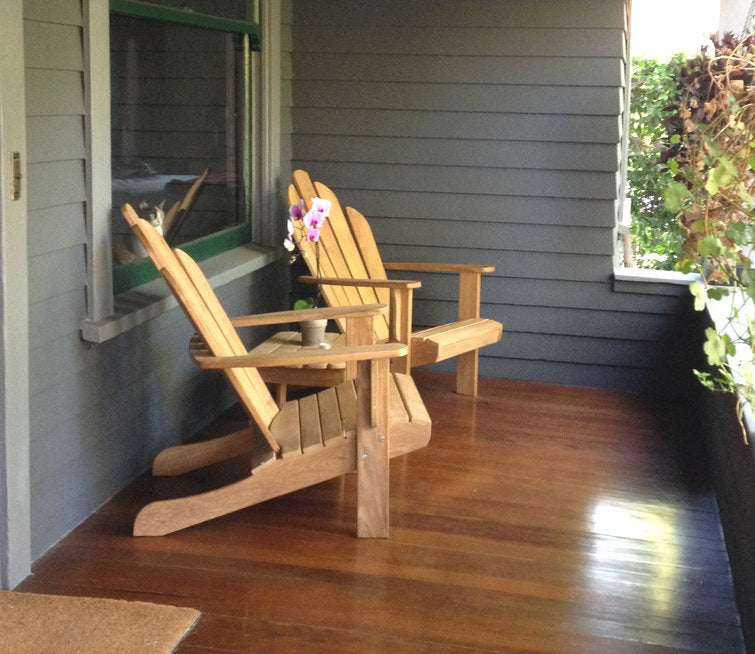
(177, 118)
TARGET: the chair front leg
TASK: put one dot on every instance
(359, 331)
(372, 449)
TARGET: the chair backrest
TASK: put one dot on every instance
(347, 249)
(195, 295)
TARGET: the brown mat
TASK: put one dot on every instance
(51, 623)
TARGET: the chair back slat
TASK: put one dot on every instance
(247, 381)
(340, 237)
(371, 259)
(208, 317)
(341, 254)
(335, 296)
(355, 253)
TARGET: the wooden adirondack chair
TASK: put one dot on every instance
(356, 426)
(351, 272)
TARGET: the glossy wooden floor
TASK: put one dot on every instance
(539, 519)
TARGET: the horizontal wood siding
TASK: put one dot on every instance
(99, 413)
(489, 132)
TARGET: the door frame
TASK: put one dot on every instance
(15, 506)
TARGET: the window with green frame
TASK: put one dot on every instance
(180, 126)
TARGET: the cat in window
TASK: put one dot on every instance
(155, 215)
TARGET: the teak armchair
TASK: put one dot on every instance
(356, 426)
(352, 272)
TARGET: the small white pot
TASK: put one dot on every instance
(313, 332)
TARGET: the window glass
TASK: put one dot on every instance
(178, 126)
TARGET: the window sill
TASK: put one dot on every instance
(655, 282)
(154, 298)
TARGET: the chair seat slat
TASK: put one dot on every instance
(309, 422)
(330, 415)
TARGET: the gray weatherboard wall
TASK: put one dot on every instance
(490, 131)
(99, 412)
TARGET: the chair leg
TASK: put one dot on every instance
(272, 479)
(281, 476)
(373, 447)
(467, 373)
(192, 456)
(281, 391)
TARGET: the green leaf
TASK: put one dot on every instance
(710, 246)
(715, 149)
(741, 233)
(705, 379)
(748, 279)
(686, 266)
(748, 199)
(700, 294)
(673, 196)
(717, 347)
(718, 292)
(724, 174)
(300, 305)
(735, 231)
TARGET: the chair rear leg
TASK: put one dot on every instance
(179, 459)
(281, 392)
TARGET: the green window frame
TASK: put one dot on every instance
(129, 275)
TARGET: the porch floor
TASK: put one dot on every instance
(539, 519)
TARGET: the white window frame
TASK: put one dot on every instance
(625, 277)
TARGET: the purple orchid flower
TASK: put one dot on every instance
(296, 211)
(317, 214)
(312, 219)
(312, 222)
(315, 217)
(321, 206)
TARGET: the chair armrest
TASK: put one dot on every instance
(203, 359)
(401, 300)
(299, 315)
(470, 280)
(374, 283)
(440, 267)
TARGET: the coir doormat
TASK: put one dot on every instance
(37, 624)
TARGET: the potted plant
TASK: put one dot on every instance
(308, 224)
(712, 155)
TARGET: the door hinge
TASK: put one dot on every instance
(15, 176)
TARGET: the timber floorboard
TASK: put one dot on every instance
(539, 519)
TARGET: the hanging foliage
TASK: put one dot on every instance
(712, 158)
